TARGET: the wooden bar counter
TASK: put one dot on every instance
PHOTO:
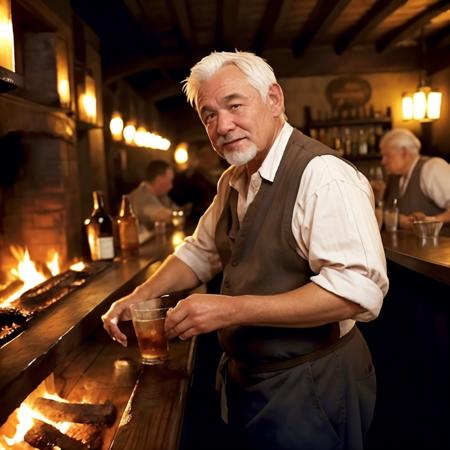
(410, 343)
(68, 341)
(429, 257)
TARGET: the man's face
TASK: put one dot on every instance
(163, 184)
(239, 123)
(394, 160)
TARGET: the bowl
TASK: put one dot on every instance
(427, 229)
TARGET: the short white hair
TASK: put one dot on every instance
(401, 137)
(258, 72)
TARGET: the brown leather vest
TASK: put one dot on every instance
(413, 199)
(259, 257)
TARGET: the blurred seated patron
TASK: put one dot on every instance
(150, 199)
(421, 184)
(197, 185)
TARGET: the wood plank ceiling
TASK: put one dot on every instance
(151, 44)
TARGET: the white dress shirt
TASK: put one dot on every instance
(333, 223)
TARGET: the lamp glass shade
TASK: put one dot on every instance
(434, 100)
(6, 36)
(407, 107)
(128, 133)
(62, 73)
(181, 155)
(116, 126)
(140, 137)
(90, 100)
(420, 105)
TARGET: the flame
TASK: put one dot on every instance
(27, 271)
(22, 419)
(79, 266)
(53, 265)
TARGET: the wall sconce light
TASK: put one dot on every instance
(128, 133)
(140, 137)
(423, 105)
(62, 73)
(407, 107)
(6, 36)
(87, 100)
(116, 126)
(181, 154)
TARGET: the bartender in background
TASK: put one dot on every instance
(150, 199)
(421, 184)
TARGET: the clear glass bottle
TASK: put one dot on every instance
(99, 229)
(363, 148)
(128, 229)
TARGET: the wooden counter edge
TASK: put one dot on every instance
(433, 262)
(154, 414)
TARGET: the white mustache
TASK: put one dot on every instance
(221, 140)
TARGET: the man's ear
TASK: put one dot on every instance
(276, 99)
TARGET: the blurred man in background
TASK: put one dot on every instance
(420, 184)
(150, 199)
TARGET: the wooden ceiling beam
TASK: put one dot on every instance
(182, 18)
(438, 38)
(226, 20)
(368, 21)
(324, 61)
(320, 19)
(134, 65)
(162, 90)
(412, 25)
(267, 25)
(438, 60)
(144, 22)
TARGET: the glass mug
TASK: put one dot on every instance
(390, 218)
(148, 324)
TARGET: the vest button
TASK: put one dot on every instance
(234, 263)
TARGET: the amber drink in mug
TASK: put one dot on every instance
(148, 324)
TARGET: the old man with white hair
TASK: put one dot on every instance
(420, 184)
(293, 230)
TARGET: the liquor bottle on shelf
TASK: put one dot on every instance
(362, 144)
(372, 140)
(347, 142)
(128, 230)
(99, 229)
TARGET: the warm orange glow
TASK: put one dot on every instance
(116, 126)
(177, 238)
(87, 101)
(128, 133)
(62, 73)
(27, 271)
(78, 267)
(53, 264)
(181, 154)
(6, 36)
(22, 419)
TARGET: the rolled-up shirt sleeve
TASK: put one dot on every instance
(337, 232)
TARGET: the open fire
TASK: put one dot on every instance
(33, 287)
(45, 420)
(28, 274)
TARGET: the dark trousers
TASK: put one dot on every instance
(324, 404)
